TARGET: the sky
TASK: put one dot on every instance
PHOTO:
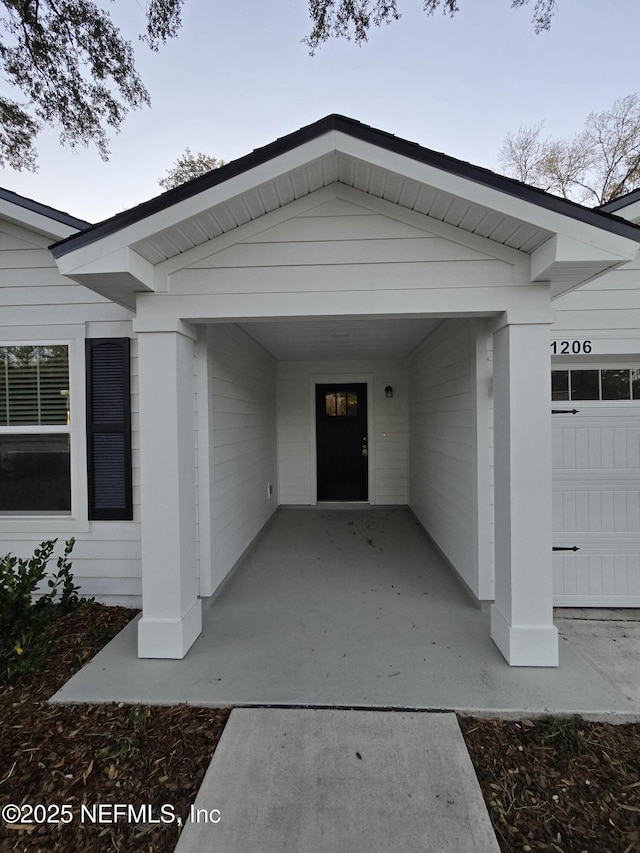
(238, 77)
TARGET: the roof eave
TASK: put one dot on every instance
(380, 139)
(46, 220)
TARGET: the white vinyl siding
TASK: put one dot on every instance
(33, 292)
(441, 413)
(242, 379)
(38, 306)
(605, 311)
(361, 245)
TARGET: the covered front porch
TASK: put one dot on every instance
(431, 446)
(349, 608)
(340, 223)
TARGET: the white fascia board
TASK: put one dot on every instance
(35, 221)
(488, 197)
(205, 200)
(561, 249)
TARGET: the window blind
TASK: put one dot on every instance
(34, 385)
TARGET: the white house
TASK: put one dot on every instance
(339, 316)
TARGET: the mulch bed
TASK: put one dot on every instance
(563, 786)
(90, 754)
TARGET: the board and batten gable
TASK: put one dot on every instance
(38, 306)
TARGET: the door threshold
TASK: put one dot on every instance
(342, 504)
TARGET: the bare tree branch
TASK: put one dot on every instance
(599, 164)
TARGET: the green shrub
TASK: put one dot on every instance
(28, 604)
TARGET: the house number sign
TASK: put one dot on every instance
(570, 347)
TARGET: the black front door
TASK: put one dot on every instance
(341, 430)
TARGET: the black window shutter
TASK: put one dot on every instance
(109, 428)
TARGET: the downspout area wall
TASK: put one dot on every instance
(442, 441)
(243, 446)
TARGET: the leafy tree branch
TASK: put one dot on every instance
(64, 63)
(187, 167)
(353, 19)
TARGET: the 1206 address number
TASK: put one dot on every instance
(572, 347)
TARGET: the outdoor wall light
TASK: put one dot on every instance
(388, 391)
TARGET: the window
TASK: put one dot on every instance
(596, 384)
(35, 461)
(341, 404)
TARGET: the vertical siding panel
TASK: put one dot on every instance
(620, 570)
(595, 449)
(557, 518)
(582, 448)
(634, 574)
(633, 512)
(608, 579)
(608, 460)
(582, 510)
(568, 512)
(569, 448)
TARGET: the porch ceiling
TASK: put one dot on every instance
(340, 338)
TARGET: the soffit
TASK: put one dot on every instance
(338, 167)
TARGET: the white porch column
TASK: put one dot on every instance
(171, 611)
(522, 616)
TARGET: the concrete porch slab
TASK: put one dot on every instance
(350, 609)
(366, 782)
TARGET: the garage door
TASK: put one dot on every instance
(596, 487)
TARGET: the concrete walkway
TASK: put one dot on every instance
(357, 609)
(327, 781)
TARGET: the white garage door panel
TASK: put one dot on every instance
(596, 505)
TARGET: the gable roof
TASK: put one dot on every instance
(627, 206)
(567, 243)
(47, 220)
(356, 130)
(621, 202)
